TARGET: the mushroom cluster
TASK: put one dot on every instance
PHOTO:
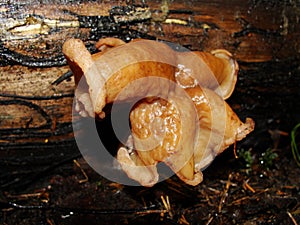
(179, 115)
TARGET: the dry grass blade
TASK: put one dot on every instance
(292, 218)
(82, 171)
(183, 220)
(167, 205)
(240, 200)
(247, 186)
(50, 221)
(225, 193)
(41, 194)
(209, 220)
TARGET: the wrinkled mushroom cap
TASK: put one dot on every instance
(228, 78)
(216, 70)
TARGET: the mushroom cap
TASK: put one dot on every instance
(216, 70)
(228, 78)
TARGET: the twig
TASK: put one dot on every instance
(238, 201)
(38, 97)
(167, 205)
(25, 196)
(151, 211)
(183, 220)
(50, 222)
(42, 193)
(86, 178)
(225, 192)
(234, 151)
(216, 192)
(246, 185)
(292, 218)
(209, 220)
(63, 77)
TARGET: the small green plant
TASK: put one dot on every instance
(99, 183)
(267, 158)
(246, 156)
(294, 145)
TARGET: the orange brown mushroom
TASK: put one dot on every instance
(181, 120)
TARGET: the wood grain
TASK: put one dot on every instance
(258, 33)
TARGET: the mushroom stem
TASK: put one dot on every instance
(82, 63)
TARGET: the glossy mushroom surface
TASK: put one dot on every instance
(181, 118)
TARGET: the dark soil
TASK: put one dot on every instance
(234, 191)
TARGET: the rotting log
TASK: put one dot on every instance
(35, 114)
(32, 34)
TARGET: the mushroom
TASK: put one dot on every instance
(181, 118)
(185, 141)
(104, 74)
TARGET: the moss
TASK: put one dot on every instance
(267, 158)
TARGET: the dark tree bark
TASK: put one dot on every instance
(262, 35)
